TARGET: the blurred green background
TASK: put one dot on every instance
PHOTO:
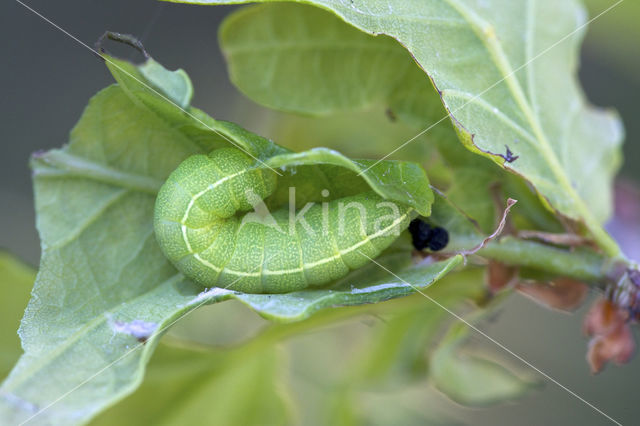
(48, 78)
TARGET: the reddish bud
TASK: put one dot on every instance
(617, 346)
(603, 317)
(612, 337)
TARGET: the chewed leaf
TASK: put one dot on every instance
(105, 292)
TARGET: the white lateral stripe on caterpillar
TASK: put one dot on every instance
(195, 198)
(306, 265)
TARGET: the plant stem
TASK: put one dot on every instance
(581, 264)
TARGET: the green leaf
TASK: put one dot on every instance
(508, 80)
(176, 85)
(402, 182)
(357, 134)
(104, 293)
(475, 190)
(181, 379)
(470, 379)
(397, 351)
(16, 280)
(472, 183)
(369, 284)
(318, 66)
(202, 386)
(194, 129)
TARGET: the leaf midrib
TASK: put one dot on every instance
(67, 164)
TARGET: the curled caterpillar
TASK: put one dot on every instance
(205, 225)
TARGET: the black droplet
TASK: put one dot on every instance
(425, 236)
(420, 233)
(439, 238)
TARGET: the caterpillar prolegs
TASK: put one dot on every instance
(205, 226)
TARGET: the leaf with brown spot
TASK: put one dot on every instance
(499, 276)
(563, 294)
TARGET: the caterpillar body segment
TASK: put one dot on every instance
(205, 224)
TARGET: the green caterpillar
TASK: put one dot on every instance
(201, 225)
